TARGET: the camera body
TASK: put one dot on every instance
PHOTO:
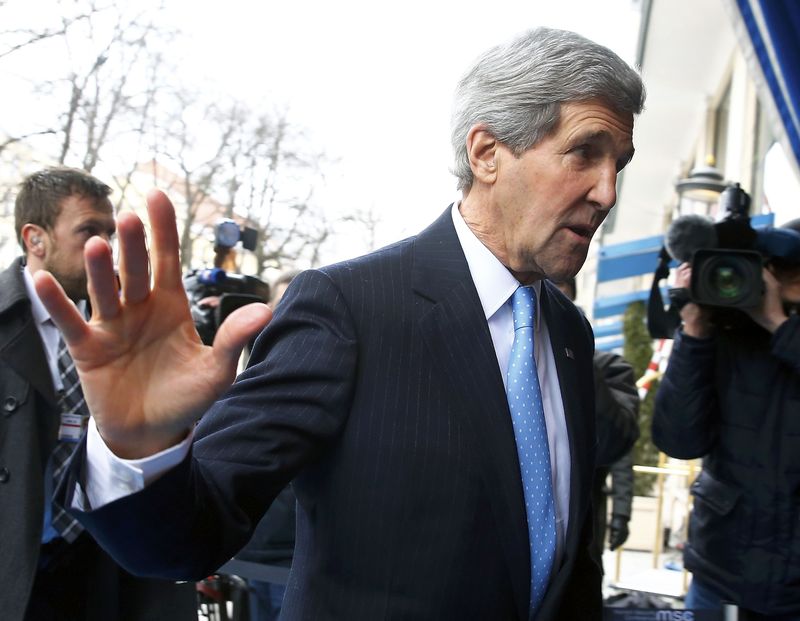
(729, 275)
(214, 294)
(727, 259)
(227, 234)
(727, 278)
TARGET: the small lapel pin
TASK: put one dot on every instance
(569, 353)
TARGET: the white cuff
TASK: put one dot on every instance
(109, 478)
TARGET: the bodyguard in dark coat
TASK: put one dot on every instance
(45, 576)
(28, 430)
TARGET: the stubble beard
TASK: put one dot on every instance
(74, 285)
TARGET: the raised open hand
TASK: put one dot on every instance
(145, 374)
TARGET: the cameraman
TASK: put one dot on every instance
(731, 395)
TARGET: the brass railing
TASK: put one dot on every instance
(688, 469)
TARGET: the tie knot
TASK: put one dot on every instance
(523, 307)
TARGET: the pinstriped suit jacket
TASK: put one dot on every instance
(376, 388)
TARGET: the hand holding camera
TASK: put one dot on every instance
(698, 319)
(695, 317)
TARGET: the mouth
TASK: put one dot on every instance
(583, 231)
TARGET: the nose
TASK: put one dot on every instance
(604, 191)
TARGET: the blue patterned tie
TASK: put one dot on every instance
(530, 432)
(71, 401)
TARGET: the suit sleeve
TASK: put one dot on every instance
(282, 413)
(622, 486)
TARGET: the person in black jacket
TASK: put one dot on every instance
(617, 407)
(731, 395)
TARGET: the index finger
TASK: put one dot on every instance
(63, 311)
(165, 255)
(683, 275)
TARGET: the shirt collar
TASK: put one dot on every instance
(38, 310)
(495, 284)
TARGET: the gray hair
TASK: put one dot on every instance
(516, 90)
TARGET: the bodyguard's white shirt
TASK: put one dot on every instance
(108, 477)
(46, 328)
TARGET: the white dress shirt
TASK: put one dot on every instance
(47, 329)
(108, 477)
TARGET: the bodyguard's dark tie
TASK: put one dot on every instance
(74, 414)
(530, 432)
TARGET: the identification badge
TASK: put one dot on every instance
(72, 427)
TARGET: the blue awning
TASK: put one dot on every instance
(770, 36)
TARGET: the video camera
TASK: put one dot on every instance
(214, 294)
(227, 234)
(726, 257)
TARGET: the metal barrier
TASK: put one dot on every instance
(657, 581)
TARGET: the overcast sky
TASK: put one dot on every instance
(372, 82)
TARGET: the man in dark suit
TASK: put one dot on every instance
(49, 568)
(380, 385)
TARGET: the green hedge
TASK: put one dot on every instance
(638, 350)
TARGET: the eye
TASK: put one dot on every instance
(583, 150)
(623, 162)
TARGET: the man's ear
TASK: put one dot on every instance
(34, 238)
(481, 150)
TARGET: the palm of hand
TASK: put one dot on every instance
(156, 368)
(145, 374)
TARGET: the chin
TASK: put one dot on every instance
(560, 274)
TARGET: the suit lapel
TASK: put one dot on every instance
(20, 344)
(570, 353)
(457, 335)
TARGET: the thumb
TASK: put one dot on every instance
(238, 328)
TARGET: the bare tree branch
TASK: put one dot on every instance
(8, 142)
(31, 36)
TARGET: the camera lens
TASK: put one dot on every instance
(727, 281)
(729, 278)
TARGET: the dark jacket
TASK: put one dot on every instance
(735, 401)
(28, 430)
(272, 542)
(617, 406)
(376, 389)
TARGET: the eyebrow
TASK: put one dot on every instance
(626, 159)
(98, 223)
(604, 136)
